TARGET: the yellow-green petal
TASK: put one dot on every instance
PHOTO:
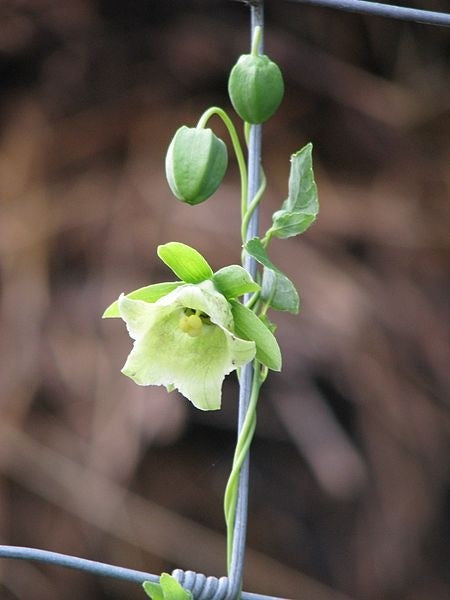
(165, 353)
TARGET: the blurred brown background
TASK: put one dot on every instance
(349, 462)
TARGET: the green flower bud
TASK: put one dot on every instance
(255, 87)
(196, 162)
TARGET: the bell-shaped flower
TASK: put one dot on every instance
(185, 340)
(190, 333)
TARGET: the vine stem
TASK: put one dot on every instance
(240, 453)
(219, 112)
(252, 207)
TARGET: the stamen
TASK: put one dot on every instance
(192, 325)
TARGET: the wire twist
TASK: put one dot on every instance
(202, 587)
(210, 588)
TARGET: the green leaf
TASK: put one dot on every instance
(168, 588)
(268, 323)
(287, 224)
(300, 208)
(149, 293)
(187, 264)
(302, 187)
(233, 281)
(172, 589)
(250, 327)
(153, 590)
(277, 289)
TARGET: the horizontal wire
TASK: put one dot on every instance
(427, 17)
(74, 562)
(92, 566)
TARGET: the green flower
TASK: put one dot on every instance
(185, 340)
(190, 333)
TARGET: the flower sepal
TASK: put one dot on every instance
(234, 281)
(251, 327)
(186, 262)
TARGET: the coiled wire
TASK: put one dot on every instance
(202, 587)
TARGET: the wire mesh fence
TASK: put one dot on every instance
(376, 9)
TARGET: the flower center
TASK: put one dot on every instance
(192, 322)
(192, 325)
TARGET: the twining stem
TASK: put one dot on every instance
(266, 239)
(215, 110)
(253, 300)
(241, 451)
(252, 206)
(249, 424)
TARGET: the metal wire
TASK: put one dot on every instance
(98, 568)
(73, 562)
(202, 587)
(404, 13)
(246, 380)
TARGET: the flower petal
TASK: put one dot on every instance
(149, 293)
(138, 315)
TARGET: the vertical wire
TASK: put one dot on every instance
(254, 175)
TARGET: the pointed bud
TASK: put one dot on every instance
(255, 87)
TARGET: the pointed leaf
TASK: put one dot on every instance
(287, 224)
(153, 590)
(277, 289)
(300, 209)
(149, 293)
(172, 589)
(234, 281)
(302, 187)
(187, 264)
(248, 326)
